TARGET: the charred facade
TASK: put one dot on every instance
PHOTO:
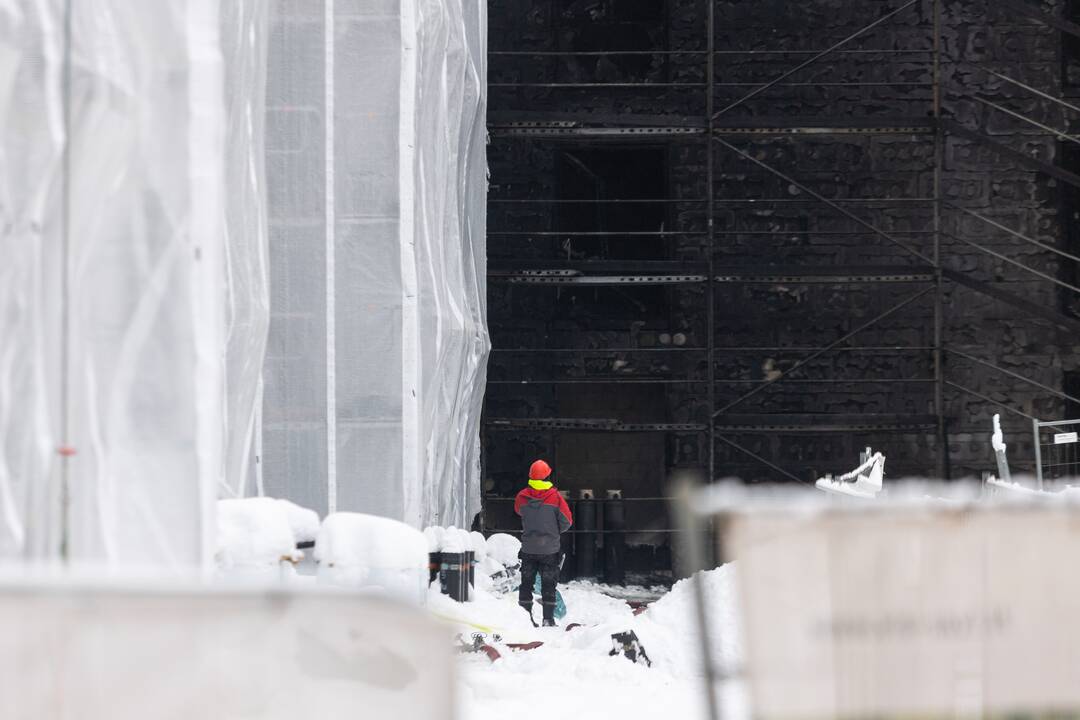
(894, 195)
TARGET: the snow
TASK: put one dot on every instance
(455, 540)
(864, 481)
(628, 593)
(434, 537)
(256, 535)
(504, 548)
(304, 522)
(253, 535)
(998, 438)
(1014, 487)
(585, 680)
(486, 567)
(478, 545)
(373, 553)
(669, 621)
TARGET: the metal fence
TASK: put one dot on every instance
(1057, 450)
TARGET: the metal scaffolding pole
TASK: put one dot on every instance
(828, 51)
(821, 198)
(844, 338)
(710, 291)
(939, 305)
(929, 244)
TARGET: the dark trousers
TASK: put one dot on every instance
(548, 567)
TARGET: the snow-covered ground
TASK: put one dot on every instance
(572, 673)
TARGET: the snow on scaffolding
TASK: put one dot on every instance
(865, 481)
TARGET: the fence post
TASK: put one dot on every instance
(692, 538)
(1038, 454)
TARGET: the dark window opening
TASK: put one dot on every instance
(1070, 51)
(593, 178)
(1069, 270)
(612, 26)
(1071, 387)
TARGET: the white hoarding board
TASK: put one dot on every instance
(86, 654)
(910, 612)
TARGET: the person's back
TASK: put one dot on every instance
(544, 517)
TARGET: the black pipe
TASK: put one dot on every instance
(614, 539)
(454, 576)
(434, 563)
(566, 546)
(470, 560)
(585, 545)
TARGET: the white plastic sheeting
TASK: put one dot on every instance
(120, 307)
(31, 137)
(377, 186)
(247, 293)
(134, 288)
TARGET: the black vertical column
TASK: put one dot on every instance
(585, 537)
(614, 539)
(569, 568)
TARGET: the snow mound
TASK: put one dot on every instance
(503, 548)
(434, 537)
(478, 545)
(455, 540)
(669, 631)
(253, 534)
(373, 553)
(487, 569)
(579, 663)
(304, 522)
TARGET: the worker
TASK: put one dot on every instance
(544, 517)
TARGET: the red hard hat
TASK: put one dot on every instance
(539, 470)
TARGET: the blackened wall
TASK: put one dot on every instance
(881, 170)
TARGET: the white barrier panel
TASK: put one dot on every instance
(926, 612)
(113, 654)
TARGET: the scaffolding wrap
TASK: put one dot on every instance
(247, 299)
(213, 214)
(377, 183)
(132, 293)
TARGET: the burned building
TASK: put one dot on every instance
(753, 237)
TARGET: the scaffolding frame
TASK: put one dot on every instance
(718, 134)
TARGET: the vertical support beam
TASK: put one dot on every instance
(710, 288)
(64, 449)
(412, 467)
(257, 440)
(554, 440)
(692, 537)
(1036, 435)
(483, 464)
(331, 292)
(939, 320)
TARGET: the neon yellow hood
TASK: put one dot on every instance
(540, 485)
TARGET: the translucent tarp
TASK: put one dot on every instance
(247, 295)
(376, 182)
(132, 286)
(135, 287)
(175, 652)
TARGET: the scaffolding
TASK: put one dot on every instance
(922, 118)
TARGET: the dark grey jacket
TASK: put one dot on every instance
(544, 516)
